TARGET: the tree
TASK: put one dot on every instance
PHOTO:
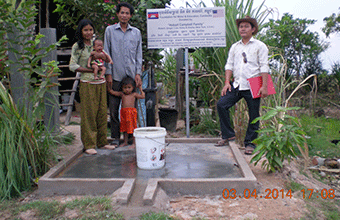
(332, 24)
(299, 46)
(102, 13)
(336, 71)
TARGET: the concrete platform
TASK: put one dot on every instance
(192, 167)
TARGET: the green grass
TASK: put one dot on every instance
(318, 208)
(44, 210)
(156, 216)
(74, 123)
(89, 202)
(321, 131)
(66, 139)
(294, 186)
(322, 208)
(207, 125)
(86, 208)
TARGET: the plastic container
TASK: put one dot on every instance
(168, 118)
(150, 147)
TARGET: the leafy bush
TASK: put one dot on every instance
(277, 141)
(328, 83)
(26, 147)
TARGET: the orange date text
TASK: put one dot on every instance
(276, 194)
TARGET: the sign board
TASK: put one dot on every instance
(186, 27)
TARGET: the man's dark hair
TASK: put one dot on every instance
(127, 5)
(251, 24)
(128, 81)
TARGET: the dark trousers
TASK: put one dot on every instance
(114, 102)
(228, 101)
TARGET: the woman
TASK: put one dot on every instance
(92, 92)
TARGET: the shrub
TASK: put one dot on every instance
(26, 147)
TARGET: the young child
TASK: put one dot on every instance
(97, 59)
(128, 112)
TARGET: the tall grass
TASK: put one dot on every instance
(25, 149)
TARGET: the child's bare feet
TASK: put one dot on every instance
(96, 78)
(124, 144)
(91, 151)
(109, 147)
(132, 146)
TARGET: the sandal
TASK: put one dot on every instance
(249, 150)
(223, 142)
(115, 142)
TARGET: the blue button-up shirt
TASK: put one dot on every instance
(125, 49)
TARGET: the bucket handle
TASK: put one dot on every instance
(166, 144)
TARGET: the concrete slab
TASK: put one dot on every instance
(192, 167)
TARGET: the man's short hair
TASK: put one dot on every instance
(125, 4)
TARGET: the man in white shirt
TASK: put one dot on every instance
(247, 58)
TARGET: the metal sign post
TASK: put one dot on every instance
(187, 92)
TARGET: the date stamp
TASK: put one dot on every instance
(277, 194)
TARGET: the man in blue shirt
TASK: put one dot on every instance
(124, 44)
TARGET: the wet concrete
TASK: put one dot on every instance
(189, 160)
(193, 166)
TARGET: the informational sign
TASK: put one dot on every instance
(186, 27)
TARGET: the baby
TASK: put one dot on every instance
(97, 59)
(128, 112)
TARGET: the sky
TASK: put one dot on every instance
(309, 9)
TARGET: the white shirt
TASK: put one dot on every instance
(256, 53)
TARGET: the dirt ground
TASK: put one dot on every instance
(218, 207)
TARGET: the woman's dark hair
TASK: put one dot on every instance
(128, 81)
(127, 5)
(79, 34)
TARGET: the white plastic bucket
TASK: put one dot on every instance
(150, 147)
